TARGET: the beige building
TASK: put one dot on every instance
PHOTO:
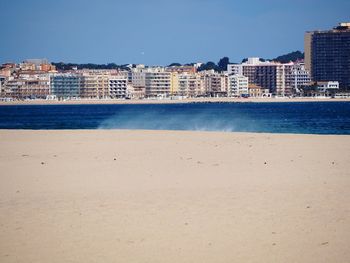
(27, 87)
(136, 92)
(307, 50)
(190, 85)
(158, 83)
(215, 84)
(256, 91)
(95, 84)
(174, 83)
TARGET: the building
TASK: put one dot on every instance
(215, 84)
(66, 85)
(190, 85)
(324, 86)
(138, 77)
(255, 91)
(6, 72)
(327, 54)
(321, 89)
(88, 89)
(297, 77)
(237, 86)
(158, 82)
(2, 84)
(27, 87)
(95, 83)
(136, 92)
(118, 87)
(47, 67)
(174, 83)
(267, 75)
(182, 69)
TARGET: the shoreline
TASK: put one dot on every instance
(169, 101)
(179, 132)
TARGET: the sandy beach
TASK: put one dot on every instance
(167, 101)
(166, 196)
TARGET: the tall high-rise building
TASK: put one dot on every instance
(327, 54)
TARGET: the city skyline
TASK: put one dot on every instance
(160, 32)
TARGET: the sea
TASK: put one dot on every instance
(275, 117)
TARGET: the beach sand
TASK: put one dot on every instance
(165, 196)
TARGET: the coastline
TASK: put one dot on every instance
(169, 101)
(173, 196)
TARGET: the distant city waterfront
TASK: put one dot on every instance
(297, 117)
(322, 72)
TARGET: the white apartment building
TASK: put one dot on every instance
(235, 69)
(237, 86)
(298, 77)
(324, 86)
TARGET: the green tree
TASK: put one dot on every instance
(208, 66)
(222, 64)
(175, 65)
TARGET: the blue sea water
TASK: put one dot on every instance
(294, 117)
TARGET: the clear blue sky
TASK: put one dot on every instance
(160, 31)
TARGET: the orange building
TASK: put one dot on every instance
(47, 67)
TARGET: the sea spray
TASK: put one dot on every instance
(167, 120)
